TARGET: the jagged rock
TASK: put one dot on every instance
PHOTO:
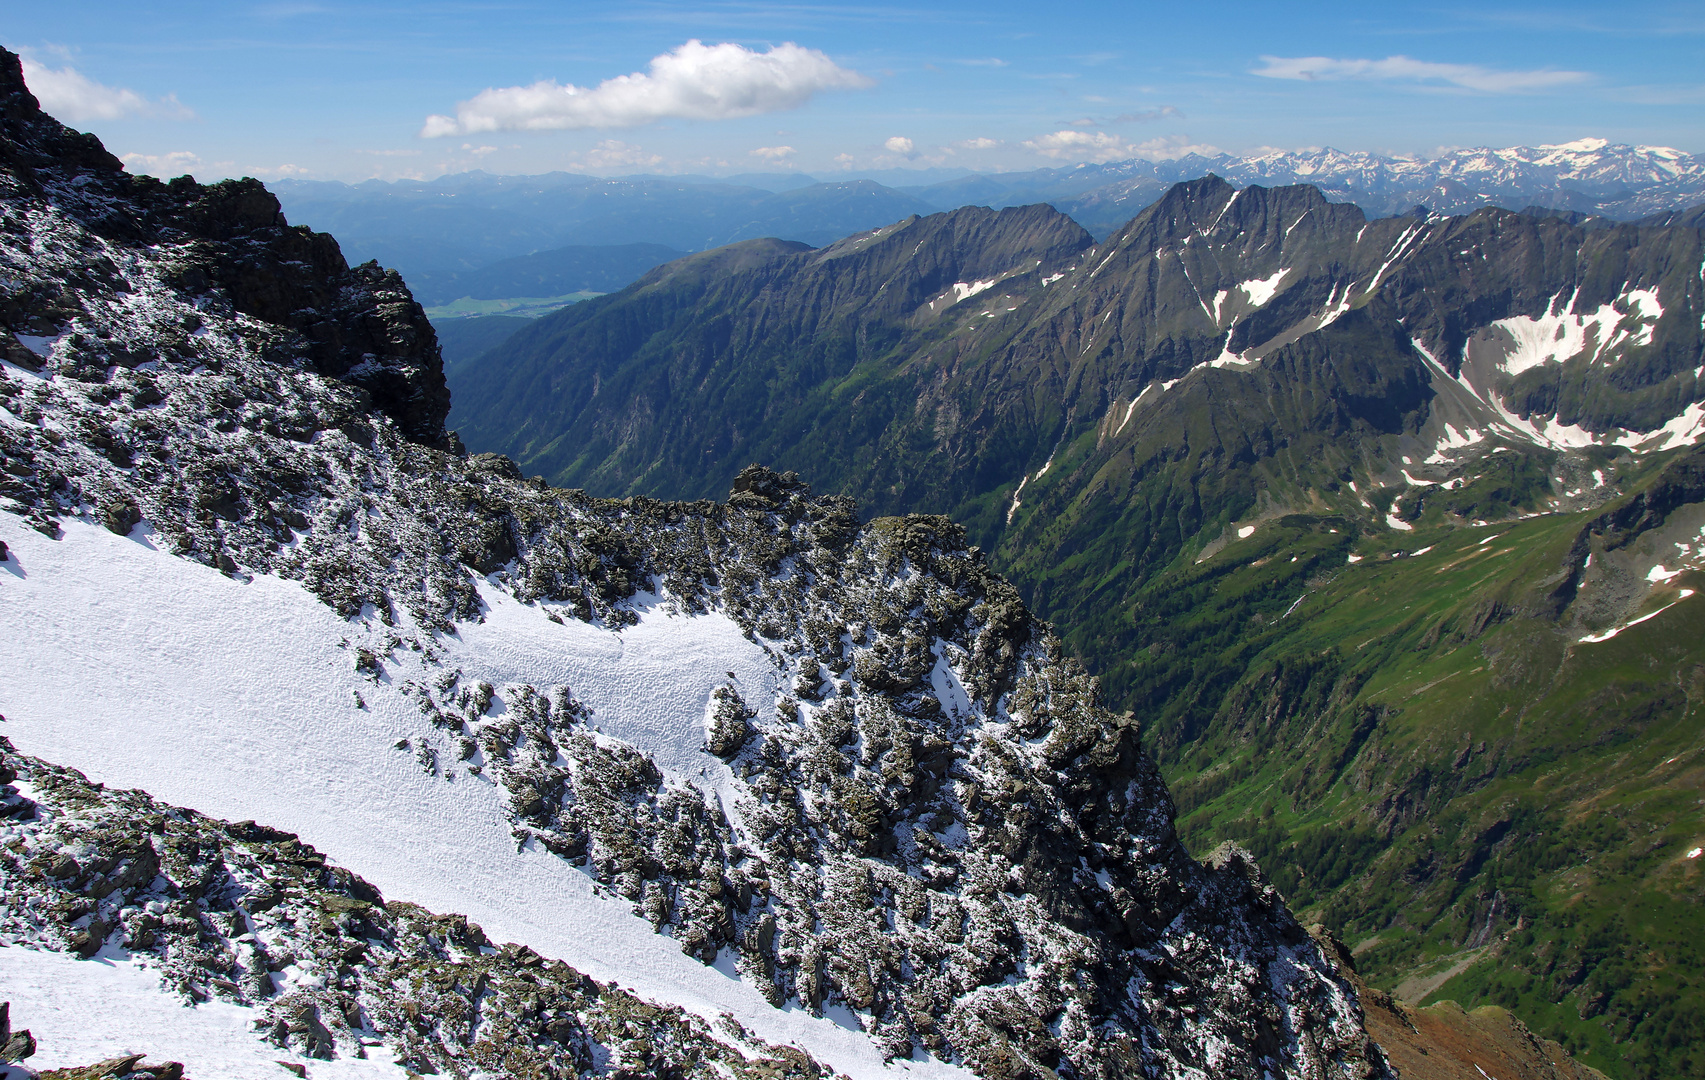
(427, 985)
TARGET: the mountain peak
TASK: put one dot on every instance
(1585, 145)
(357, 324)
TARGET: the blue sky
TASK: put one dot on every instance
(345, 91)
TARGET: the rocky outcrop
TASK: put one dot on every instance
(246, 914)
(225, 246)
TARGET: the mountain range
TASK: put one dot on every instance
(1385, 528)
(454, 224)
(751, 788)
(767, 787)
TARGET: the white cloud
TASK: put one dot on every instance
(845, 161)
(979, 143)
(772, 153)
(614, 153)
(901, 145)
(1080, 146)
(279, 172)
(174, 163)
(478, 151)
(694, 82)
(1100, 147)
(68, 94)
(1408, 69)
(1170, 147)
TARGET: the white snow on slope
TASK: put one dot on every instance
(1593, 639)
(1561, 334)
(1550, 431)
(84, 1011)
(1454, 440)
(1261, 290)
(1683, 430)
(964, 290)
(145, 670)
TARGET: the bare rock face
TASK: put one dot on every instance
(229, 247)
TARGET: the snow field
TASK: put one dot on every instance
(144, 670)
(84, 1011)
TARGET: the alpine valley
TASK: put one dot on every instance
(1383, 531)
(499, 779)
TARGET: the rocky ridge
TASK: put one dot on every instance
(248, 914)
(934, 823)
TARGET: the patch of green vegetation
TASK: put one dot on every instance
(1422, 758)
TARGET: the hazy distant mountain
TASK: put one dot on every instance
(556, 272)
(1589, 175)
(468, 221)
(471, 220)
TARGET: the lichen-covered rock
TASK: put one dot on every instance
(250, 915)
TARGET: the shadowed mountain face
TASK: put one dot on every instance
(1251, 455)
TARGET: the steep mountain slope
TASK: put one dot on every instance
(329, 970)
(975, 343)
(831, 780)
(1174, 440)
(465, 340)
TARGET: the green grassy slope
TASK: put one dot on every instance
(1423, 752)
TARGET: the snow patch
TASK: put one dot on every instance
(83, 1011)
(1561, 334)
(1398, 523)
(1454, 440)
(1132, 407)
(191, 685)
(1261, 290)
(964, 290)
(1016, 492)
(1246, 532)
(1682, 430)
(1613, 631)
